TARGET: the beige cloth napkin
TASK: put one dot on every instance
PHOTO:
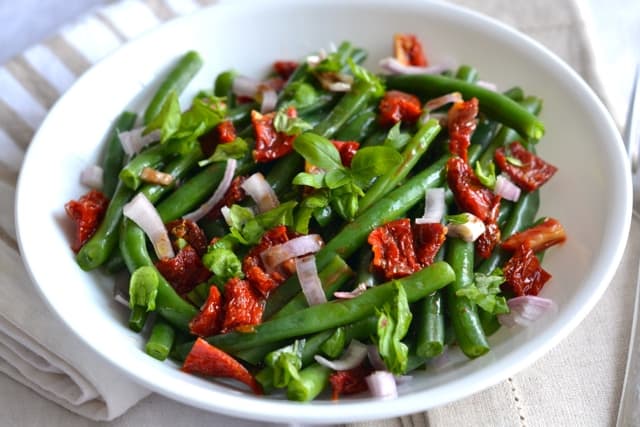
(577, 383)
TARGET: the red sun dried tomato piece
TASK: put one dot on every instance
(205, 359)
(408, 50)
(255, 270)
(351, 381)
(190, 232)
(185, 271)
(539, 237)
(398, 106)
(234, 194)
(523, 273)
(270, 144)
(87, 213)
(347, 150)
(393, 252)
(428, 239)
(226, 132)
(209, 320)
(243, 305)
(285, 68)
(488, 240)
(461, 122)
(533, 171)
(470, 195)
(223, 133)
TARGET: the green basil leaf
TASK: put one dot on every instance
(168, 118)
(236, 149)
(369, 162)
(396, 139)
(365, 76)
(461, 218)
(337, 178)
(223, 262)
(143, 287)
(393, 324)
(318, 151)
(485, 292)
(286, 363)
(486, 176)
(315, 180)
(514, 161)
(289, 125)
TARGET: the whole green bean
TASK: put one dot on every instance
(495, 105)
(223, 87)
(149, 158)
(114, 154)
(467, 73)
(430, 331)
(359, 127)
(177, 79)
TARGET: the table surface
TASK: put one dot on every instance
(616, 36)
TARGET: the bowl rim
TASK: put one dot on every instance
(350, 410)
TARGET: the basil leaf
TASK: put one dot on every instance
(248, 231)
(222, 262)
(337, 178)
(396, 139)
(486, 176)
(236, 149)
(289, 125)
(485, 292)
(393, 324)
(303, 94)
(369, 162)
(143, 287)
(365, 76)
(315, 180)
(168, 118)
(458, 218)
(318, 151)
(286, 363)
(514, 161)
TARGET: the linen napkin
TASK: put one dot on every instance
(37, 349)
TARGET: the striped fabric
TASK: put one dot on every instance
(32, 82)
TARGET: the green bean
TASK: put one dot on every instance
(114, 154)
(177, 79)
(138, 318)
(283, 171)
(467, 73)
(177, 168)
(313, 379)
(430, 331)
(516, 93)
(414, 150)
(335, 313)
(223, 87)
(363, 271)
(149, 158)
(335, 344)
(160, 341)
(464, 316)
(359, 127)
(241, 115)
(495, 105)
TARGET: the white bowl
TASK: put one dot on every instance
(590, 195)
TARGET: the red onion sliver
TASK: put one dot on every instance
(525, 310)
(358, 290)
(435, 103)
(141, 211)
(296, 247)
(269, 101)
(352, 357)
(469, 231)
(375, 359)
(434, 206)
(487, 85)
(394, 66)
(92, 176)
(261, 192)
(309, 280)
(217, 195)
(245, 86)
(382, 384)
(506, 188)
(133, 141)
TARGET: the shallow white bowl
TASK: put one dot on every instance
(590, 195)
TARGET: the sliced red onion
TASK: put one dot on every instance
(335, 82)
(469, 231)
(441, 101)
(261, 192)
(92, 176)
(441, 116)
(487, 85)
(275, 255)
(382, 384)
(217, 195)
(245, 86)
(357, 291)
(375, 359)
(133, 141)
(269, 101)
(309, 280)
(525, 310)
(434, 206)
(352, 357)
(141, 211)
(506, 188)
(120, 297)
(226, 214)
(393, 66)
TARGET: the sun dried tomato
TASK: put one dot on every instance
(223, 133)
(255, 270)
(184, 271)
(393, 252)
(470, 195)
(408, 50)
(428, 239)
(270, 144)
(351, 381)
(523, 273)
(226, 132)
(461, 122)
(488, 240)
(243, 306)
(205, 359)
(189, 231)
(209, 320)
(234, 194)
(285, 68)
(87, 213)
(398, 106)
(532, 171)
(347, 150)
(539, 237)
